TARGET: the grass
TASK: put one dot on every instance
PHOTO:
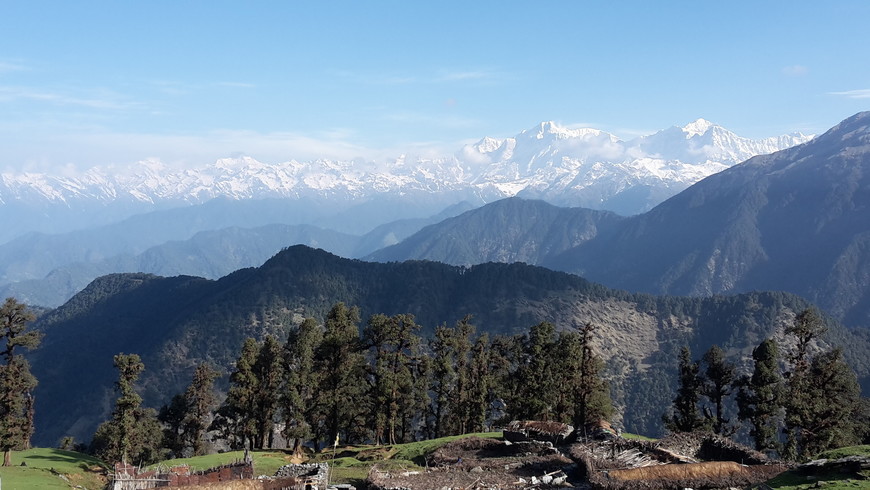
(845, 451)
(637, 437)
(52, 469)
(832, 481)
(417, 451)
(356, 461)
(792, 480)
(265, 462)
(351, 464)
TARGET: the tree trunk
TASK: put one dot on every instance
(7, 457)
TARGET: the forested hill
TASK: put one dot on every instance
(174, 323)
(509, 230)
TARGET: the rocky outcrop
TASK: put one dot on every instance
(533, 430)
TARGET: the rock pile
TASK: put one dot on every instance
(316, 473)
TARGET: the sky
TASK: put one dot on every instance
(90, 83)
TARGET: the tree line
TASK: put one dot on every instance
(380, 382)
(794, 403)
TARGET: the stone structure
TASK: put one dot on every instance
(310, 476)
(129, 477)
(533, 430)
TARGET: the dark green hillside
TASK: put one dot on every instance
(796, 220)
(174, 323)
(509, 230)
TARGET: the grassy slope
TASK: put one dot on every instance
(52, 469)
(350, 464)
(265, 462)
(791, 480)
(637, 437)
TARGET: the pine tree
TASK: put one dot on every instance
(835, 397)
(301, 383)
(240, 406)
(823, 394)
(685, 416)
(591, 393)
(199, 401)
(718, 384)
(505, 355)
(481, 380)
(133, 434)
(570, 356)
(443, 378)
(394, 346)
(268, 371)
(411, 374)
(16, 382)
(340, 365)
(807, 327)
(172, 417)
(462, 342)
(540, 387)
(421, 409)
(760, 398)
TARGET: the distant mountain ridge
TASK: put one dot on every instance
(174, 323)
(795, 220)
(47, 270)
(579, 167)
(509, 230)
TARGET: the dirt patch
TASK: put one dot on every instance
(712, 447)
(475, 462)
(718, 474)
(629, 465)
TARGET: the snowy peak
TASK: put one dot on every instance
(575, 167)
(552, 130)
(697, 127)
(488, 145)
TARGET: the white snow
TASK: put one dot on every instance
(568, 166)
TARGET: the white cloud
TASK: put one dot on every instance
(448, 121)
(795, 70)
(83, 149)
(8, 67)
(854, 94)
(108, 101)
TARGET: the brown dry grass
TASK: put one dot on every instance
(715, 469)
(243, 485)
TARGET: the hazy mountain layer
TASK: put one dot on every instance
(47, 270)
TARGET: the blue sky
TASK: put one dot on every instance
(111, 83)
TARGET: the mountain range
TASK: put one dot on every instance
(47, 270)
(63, 231)
(795, 220)
(579, 167)
(175, 323)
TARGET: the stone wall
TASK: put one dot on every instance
(129, 477)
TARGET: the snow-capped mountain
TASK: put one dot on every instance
(595, 169)
(578, 167)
